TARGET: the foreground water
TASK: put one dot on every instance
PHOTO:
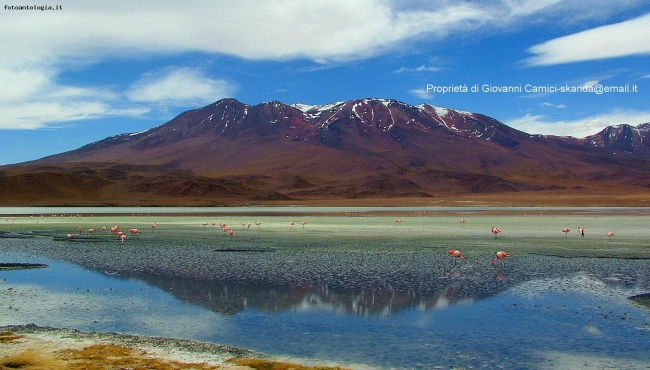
(360, 291)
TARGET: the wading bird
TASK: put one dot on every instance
(495, 231)
(566, 231)
(609, 235)
(455, 253)
(500, 255)
(135, 232)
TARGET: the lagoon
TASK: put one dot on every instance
(363, 292)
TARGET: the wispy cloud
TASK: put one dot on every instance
(626, 38)
(421, 68)
(422, 94)
(540, 124)
(30, 98)
(179, 87)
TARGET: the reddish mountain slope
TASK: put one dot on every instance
(232, 152)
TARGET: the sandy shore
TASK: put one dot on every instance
(167, 349)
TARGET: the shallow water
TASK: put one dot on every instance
(361, 291)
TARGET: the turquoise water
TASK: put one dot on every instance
(363, 292)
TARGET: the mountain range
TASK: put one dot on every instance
(229, 152)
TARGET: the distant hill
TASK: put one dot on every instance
(232, 153)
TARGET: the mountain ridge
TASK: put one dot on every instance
(228, 152)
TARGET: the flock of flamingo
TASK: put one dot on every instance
(121, 235)
(115, 230)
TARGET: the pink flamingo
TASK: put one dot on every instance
(398, 220)
(303, 224)
(70, 237)
(103, 229)
(257, 223)
(154, 226)
(90, 232)
(292, 223)
(135, 232)
(231, 232)
(455, 253)
(123, 237)
(495, 231)
(581, 230)
(80, 229)
(610, 234)
(462, 222)
(566, 231)
(500, 255)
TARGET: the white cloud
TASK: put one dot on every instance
(30, 98)
(539, 124)
(551, 105)
(44, 114)
(631, 37)
(422, 94)
(179, 87)
(421, 68)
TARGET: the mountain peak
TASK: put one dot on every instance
(353, 149)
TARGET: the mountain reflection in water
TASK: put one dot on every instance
(233, 297)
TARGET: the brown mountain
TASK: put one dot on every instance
(230, 152)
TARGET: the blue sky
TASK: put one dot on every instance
(85, 70)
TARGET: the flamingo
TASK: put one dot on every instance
(90, 232)
(103, 229)
(500, 255)
(70, 237)
(581, 230)
(610, 234)
(462, 222)
(257, 223)
(292, 223)
(455, 253)
(80, 229)
(303, 224)
(134, 232)
(566, 231)
(495, 231)
(123, 237)
(154, 226)
(231, 232)
(398, 220)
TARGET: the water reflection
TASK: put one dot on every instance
(508, 312)
(231, 297)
